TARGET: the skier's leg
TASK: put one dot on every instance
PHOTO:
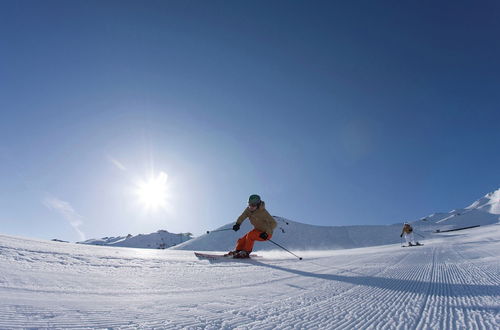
(240, 245)
(412, 237)
(407, 238)
(246, 242)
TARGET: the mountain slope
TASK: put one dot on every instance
(160, 240)
(482, 212)
(300, 236)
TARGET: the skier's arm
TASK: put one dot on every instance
(270, 224)
(243, 216)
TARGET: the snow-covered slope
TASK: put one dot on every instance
(160, 240)
(452, 282)
(490, 203)
(482, 212)
(300, 236)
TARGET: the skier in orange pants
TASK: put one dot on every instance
(263, 223)
(246, 242)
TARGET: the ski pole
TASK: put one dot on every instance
(300, 258)
(214, 231)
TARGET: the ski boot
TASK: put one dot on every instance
(232, 253)
(241, 255)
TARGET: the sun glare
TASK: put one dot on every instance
(153, 193)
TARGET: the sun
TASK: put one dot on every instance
(152, 193)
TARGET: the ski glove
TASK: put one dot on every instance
(263, 236)
(236, 227)
(401, 235)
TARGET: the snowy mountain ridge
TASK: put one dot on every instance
(490, 202)
(484, 211)
(162, 239)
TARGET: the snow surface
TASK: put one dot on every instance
(452, 282)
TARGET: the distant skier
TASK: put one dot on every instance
(263, 223)
(408, 232)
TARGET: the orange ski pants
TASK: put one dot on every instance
(246, 242)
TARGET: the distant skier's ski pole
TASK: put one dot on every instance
(300, 258)
(214, 231)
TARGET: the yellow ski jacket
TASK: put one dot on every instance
(260, 219)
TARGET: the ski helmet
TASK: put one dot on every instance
(254, 199)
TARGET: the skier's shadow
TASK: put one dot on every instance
(397, 284)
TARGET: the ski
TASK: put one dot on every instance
(207, 256)
(211, 256)
(420, 244)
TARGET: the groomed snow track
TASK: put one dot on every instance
(451, 283)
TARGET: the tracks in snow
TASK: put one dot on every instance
(435, 286)
(425, 289)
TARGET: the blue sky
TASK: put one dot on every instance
(336, 113)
